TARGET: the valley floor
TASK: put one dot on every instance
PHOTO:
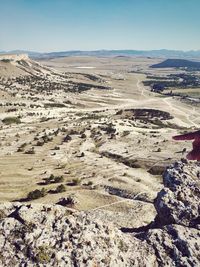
(110, 144)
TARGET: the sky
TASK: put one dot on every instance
(61, 25)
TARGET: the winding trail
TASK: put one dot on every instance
(187, 114)
(137, 96)
(117, 202)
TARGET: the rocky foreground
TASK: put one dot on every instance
(53, 235)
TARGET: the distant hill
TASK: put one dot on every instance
(31, 54)
(177, 63)
(14, 65)
(162, 53)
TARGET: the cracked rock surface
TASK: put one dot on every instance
(174, 235)
(53, 235)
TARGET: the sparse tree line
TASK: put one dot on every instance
(182, 80)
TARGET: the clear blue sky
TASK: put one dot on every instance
(58, 25)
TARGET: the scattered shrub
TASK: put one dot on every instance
(54, 105)
(36, 194)
(83, 136)
(71, 200)
(58, 179)
(42, 255)
(61, 188)
(125, 133)
(90, 183)
(11, 120)
(5, 60)
(21, 148)
(44, 119)
(67, 138)
(30, 151)
(40, 143)
(76, 181)
(54, 179)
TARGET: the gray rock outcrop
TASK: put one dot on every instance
(178, 202)
(53, 235)
(175, 235)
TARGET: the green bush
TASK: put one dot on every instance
(43, 255)
(76, 181)
(36, 194)
(54, 179)
(54, 105)
(61, 188)
(5, 60)
(58, 179)
(11, 120)
(40, 143)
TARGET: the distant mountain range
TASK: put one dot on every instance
(177, 63)
(163, 53)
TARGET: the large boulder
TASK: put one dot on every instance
(52, 235)
(179, 201)
(174, 235)
(175, 245)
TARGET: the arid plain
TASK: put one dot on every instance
(90, 125)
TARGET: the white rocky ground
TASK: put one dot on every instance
(108, 139)
(54, 235)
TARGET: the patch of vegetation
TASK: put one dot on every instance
(2, 214)
(54, 179)
(5, 60)
(75, 181)
(81, 87)
(54, 105)
(28, 227)
(122, 246)
(56, 148)
(40, 143)
(69, 201)
(44, 119)
(125, 133)
(31, 151)
(60, 189)
(11, 120)
(42, 255)
(67, 138)
(92, 116)
(22, 147)
(109, 129)
(172, 81)
(12, 110)
(157, 169)
(90, 183)
(177, 63)
(36, 194)
(151, 114)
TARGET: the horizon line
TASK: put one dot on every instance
(97, 50)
